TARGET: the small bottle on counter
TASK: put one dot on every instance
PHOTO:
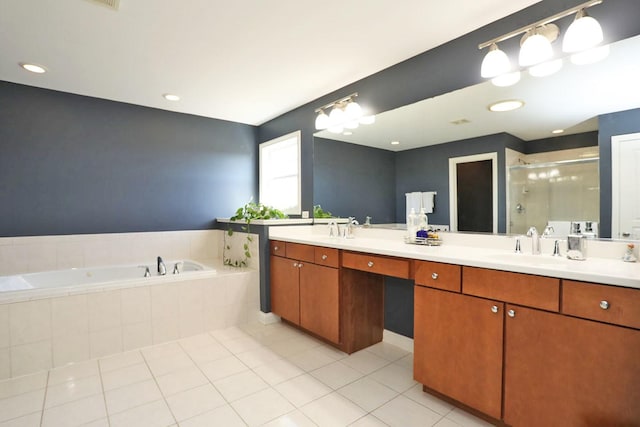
(628, 255)
(412, 224)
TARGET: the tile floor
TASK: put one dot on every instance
(252, 375)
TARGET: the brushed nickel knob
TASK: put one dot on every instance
(604, 305)
(300, 265)
(434, 276)
(295, 264)
(494, 309)
(370, 264)
(275, 248)
(324, 257)
(511, 313)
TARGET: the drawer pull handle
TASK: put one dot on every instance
(300, 265)
(494, 309)
(295, 264)
(370, 264)
(434, 276)
(324, 257)
(511, 313)
(604, 305)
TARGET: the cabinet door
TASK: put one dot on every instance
(458, 347)
(285, 290)
(563, 371)
(319, 301)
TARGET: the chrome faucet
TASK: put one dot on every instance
(348, 228)
(548, 231)
(535, 240)
(333, 228)
(147, 273)
(162, 269)
(518, 249)
(176, 267)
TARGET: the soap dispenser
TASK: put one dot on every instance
(423, 221)
(576, 243)
(412, 224)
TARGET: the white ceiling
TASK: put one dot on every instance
(245, 61)
(570, 99)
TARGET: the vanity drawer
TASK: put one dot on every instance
(300, 252)
(611, 304)
(438, 275)
(326, 256)
(523, 289)
(278, 248)
(387, 266)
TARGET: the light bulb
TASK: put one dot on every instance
(583, 33)
(505, 80)
(535, 49)
(353, 111)
(322, 121)
(546, 68)
(495, 62)
(336, 117)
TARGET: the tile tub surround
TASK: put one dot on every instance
(41, 333)
(251, 375)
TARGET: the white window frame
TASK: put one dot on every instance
(297, 135)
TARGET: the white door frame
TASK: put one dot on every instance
(616, 179)
(453, 186)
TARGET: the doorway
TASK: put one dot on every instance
(473, 193)
(625, 187)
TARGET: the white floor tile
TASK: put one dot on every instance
(292, 419)
(446, 422)
(290, 346)
(258, 408)
(465, 419)
(258, 356)
(161, 351)
(303, 389)
(425, 399)
(367, 394)
(154, 414)
(405, 362)
(336, 375)
(311, 359)
(130, 396)
(178, 381)
(240, 345)
(22, 404)
(228, 334)
(120, 361)
(73, 372)
(15, 386)
(189, 403)
(208, 353)
(126, 376)
(278, 371)
(395, 377)
(364, 361)
(72, 390)
(222, 416)
(368, 421)
(175, 362)
(387, 351)
(404, 412)
(197, 341)
(31, 420)
(333, 410)
(223, 368)
(240, 385)
(75, 413)
(102, 422)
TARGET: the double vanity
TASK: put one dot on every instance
(524, 340)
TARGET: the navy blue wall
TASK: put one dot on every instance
(73, 164)
(620, 123)
(354, 180)
(565, 142)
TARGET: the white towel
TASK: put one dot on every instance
(414, 201)
(428, 201)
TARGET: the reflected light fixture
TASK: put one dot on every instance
(506, 105)
(171, 97)
(34, 68)
(536, 50)
(557, 131)
(508, 79)
(345, 113)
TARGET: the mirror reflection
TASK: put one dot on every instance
(363, 174)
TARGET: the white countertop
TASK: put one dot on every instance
(494, 252)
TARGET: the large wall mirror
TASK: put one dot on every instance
(363, 174)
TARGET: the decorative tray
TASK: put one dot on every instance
(425, 241)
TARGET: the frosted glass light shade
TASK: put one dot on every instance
(336, 117)
(495, 62)
(546, 68)
(535, 49)
(583, 33)
(322, 121)
(353, 111)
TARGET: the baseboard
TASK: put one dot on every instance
(398, 340)
(267, 318)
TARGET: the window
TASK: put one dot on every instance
(280, 173)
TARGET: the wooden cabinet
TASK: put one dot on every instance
(458, 347)
(562, 371)
(438, 275)
(378, 264)
(305, 293)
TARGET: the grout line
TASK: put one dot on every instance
(104, 394)
(155, 380)
(44, 400)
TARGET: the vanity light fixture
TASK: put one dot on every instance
(171, 97)
(345, 113)
(506, 105)
(34, 68)
(582, 35)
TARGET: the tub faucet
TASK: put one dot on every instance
(176, 267)
(162, 269)
(535, 240)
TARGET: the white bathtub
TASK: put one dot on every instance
(50, 283)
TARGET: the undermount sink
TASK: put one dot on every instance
(530, 259)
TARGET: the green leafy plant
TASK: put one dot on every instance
(318, 212)
(248, 213)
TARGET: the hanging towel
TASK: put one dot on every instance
(428, 201)
(414, 200)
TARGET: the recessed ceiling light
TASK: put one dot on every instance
(557, 131)
(34, 68)
(347, 133)
(171, 97)
(507, 105)
(395, 142)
